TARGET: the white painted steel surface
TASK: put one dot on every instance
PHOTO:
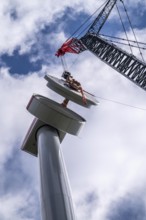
(55, 114)
(29, 144)
(60, 86)
(55, 191)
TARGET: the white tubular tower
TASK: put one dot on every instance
(52, 121)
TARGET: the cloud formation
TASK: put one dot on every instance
(21, 22)
(128, 207)
(107, 162)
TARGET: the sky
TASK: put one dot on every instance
(106, 164)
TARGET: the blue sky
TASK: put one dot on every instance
(106, 163)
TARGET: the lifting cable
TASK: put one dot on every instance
(75, 61)
(89, 25)
(63, 62)
(118, 42)
(123, 39)
(132, 29)
(120, 103)
(64, 65)
(124, 28)
(85, 22)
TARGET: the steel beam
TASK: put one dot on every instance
(56, 201)
(123, 62)
(102, 17)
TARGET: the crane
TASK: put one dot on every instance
(123, 62)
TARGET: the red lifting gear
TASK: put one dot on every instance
(71, 46)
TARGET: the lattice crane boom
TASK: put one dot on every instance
(123, 62)
(102, 17)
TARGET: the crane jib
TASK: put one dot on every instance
(74, 45)
(126, 64)
(102, 17)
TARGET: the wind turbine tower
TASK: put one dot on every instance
(51, 123)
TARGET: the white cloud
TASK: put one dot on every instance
(21, 21)
(110, 152)
(15, 94)
(109, 156)
(19, 206)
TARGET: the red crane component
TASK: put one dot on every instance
(117, 58)
(75, 45)
(71, 46)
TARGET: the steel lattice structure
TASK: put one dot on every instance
(102, 17)
(125, 63)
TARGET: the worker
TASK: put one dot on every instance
(73, 84)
